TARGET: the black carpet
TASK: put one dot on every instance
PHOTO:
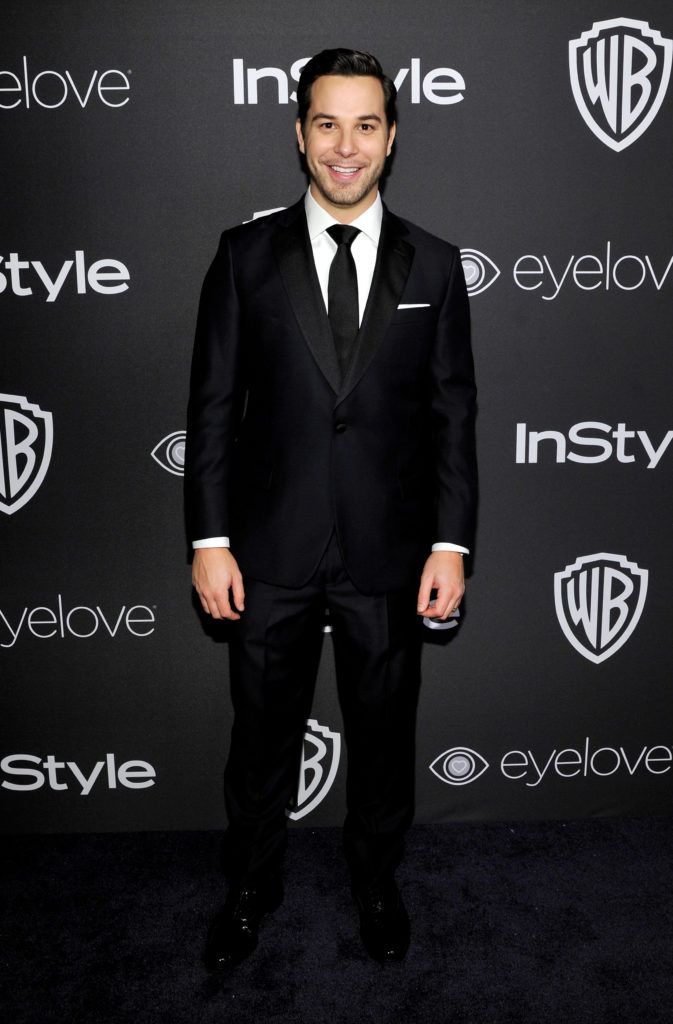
(526, 923)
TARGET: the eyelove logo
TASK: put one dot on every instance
(319, 765)
(79, 621)
(619, 73)
(593, 442)
(573, 762)
(26, 441)
(461, 765)
(458, 766)
(169, 453)
(106, 276)
(627, 272)
(443, 86)
(60, 775)
(480, 271)
(599, 600)
(547, 275)
(51, 89)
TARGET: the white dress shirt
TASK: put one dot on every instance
(324, 248)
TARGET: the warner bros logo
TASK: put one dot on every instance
(599, 600)
(26, 439)
(619, 72)
(319, 765)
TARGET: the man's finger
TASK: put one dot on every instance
(453, 600)
(212, 609)
(224, 607)
(424, 593)
(238, 591)
(443, 604)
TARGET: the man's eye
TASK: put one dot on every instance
(367, 127)
(327, 124)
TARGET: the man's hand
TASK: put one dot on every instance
(214, 572)
(442, 571)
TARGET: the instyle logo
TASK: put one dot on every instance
(619, 72)
(81, 622)
(462, 764)
(443, 86)
(599, 600)
(20, 777)
(51, 89)
(106, 276)
(169, 453)
(589, 442)
(319, 765)
(26, 441)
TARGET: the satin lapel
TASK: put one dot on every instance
(393, 263)
(292, 248)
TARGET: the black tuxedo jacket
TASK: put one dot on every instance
(279, 448)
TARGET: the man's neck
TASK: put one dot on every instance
(344, 214)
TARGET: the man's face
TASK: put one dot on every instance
(346, 140)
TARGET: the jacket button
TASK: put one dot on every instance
(340, 427)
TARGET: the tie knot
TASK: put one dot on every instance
(343, 234)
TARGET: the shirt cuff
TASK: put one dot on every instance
(223, 542)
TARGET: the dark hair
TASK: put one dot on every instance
(344, 62)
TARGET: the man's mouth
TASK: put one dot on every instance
(343, 172)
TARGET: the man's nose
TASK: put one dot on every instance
(346, 143)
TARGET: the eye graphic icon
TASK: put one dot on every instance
(458, 766)
(170, 452)
(480, 271)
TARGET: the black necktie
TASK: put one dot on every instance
(342, 294)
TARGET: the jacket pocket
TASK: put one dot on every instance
(421, 314)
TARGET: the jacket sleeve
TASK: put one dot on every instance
(453, 408)
(215, 400)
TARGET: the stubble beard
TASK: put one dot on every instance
(346, 195)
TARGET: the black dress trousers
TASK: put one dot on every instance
(275, 650)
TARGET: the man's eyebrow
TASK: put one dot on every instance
(360, 117)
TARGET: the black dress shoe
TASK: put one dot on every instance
(233, 934)
(384, 922)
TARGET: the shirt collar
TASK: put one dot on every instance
(318, 219)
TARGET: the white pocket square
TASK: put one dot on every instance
(414, 305)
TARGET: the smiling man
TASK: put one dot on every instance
(330, 464)
(345, 151)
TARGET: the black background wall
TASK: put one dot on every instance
(127, 140)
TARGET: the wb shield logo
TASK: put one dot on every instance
(26, 438)
(599, 600)
(619, 71)
(319, 764)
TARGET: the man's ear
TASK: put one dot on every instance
(391, 137)
(300, 136)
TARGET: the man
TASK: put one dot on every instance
(331, 444)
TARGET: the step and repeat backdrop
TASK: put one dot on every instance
(537, 137)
